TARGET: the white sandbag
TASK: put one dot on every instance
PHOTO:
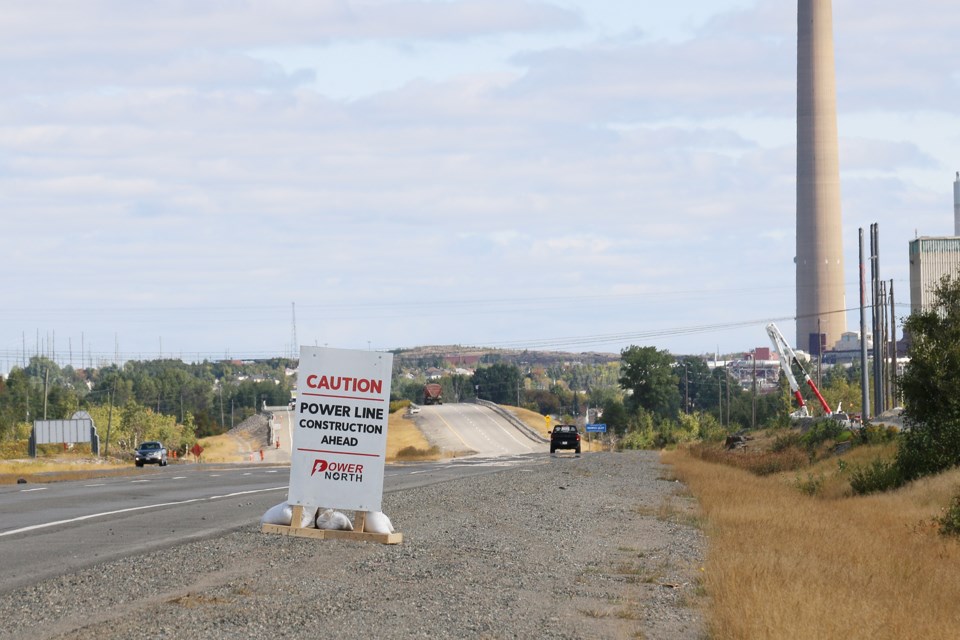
(377, 522)
(282, 514)
(333, 520)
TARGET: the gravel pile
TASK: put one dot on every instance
(602, 546)
(256, 428)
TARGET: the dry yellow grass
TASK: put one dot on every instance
(59, 469)
(406, 442)
(225, 448)
(530, 418)
(784, 565)
(833, 473)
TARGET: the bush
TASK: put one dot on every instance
(879, 475)
(639, 439)
(708, 427)
(786, 441)
(820, 432)
(412, 453)
(811, 486)
(878, 434)
(397, 405)
(950, 520)
(928, 449)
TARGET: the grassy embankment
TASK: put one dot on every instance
(79, 466)
(795, 555)
(537, 422)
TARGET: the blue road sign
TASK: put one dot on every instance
(597, 428)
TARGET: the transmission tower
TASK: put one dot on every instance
(294, 350)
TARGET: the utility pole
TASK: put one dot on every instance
(885, 374)
(294, 348)
(753, 419)
(106, 448)
(893, 350)
(877, 338)
(46, 378)
(864, 372)
(720, 398)
(726, 378)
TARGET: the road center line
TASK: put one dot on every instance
(453, 431)
(141, 508)
(29, 490)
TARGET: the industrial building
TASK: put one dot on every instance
(931, 258)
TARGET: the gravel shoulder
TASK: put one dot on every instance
(601, 546)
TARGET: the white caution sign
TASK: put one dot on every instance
(340, 428)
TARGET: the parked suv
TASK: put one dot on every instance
(150, 453)
(565, 436)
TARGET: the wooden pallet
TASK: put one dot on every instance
(357, 534)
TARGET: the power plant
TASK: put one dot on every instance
(821, 301)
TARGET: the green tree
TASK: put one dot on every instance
(615, 416)
(651, 377)
(930, 386)
(696, 384)
(498, 383)
(543, 402)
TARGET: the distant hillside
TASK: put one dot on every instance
(470, 357)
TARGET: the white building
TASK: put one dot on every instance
(931, 258)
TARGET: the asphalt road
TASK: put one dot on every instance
(50, 529)
(472, 429)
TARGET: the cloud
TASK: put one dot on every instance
(882, 155)
(47, 29)
(163, 160)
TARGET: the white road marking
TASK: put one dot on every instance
(136, 481)
(29, 490)
(178, 477)
(141, 508)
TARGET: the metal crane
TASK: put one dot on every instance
(787, 357)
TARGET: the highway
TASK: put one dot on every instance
(471, 429)
(50, 529)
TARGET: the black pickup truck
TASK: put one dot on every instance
(565, 436)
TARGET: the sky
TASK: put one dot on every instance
(233, 178)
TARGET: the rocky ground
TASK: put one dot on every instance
(601, 546)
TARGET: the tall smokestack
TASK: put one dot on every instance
(820, 290)
(956, 205)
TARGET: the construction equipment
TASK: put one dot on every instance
(788, 357)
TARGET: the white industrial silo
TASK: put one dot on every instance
(956, 205)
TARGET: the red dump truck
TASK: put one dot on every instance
(431, 394)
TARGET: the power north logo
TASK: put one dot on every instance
(338, 471)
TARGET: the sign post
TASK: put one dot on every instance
(339, 438)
